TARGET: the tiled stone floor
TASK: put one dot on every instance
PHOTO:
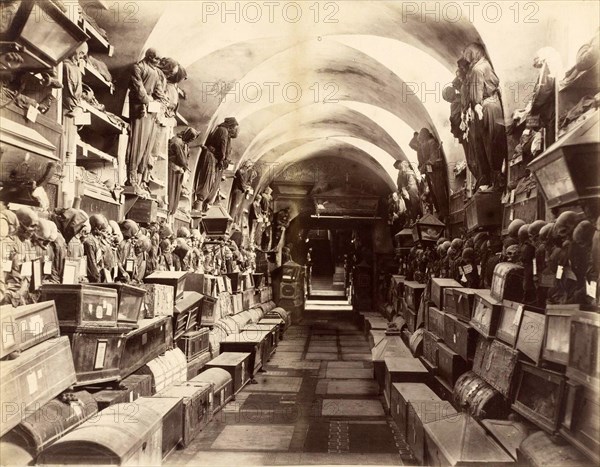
(316, 403)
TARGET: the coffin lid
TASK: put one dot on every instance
(462, 439)
(26, 138)
(228, 325)
(188, 300)
(390, 346)
(183, 391)
(229, 358)
(508, 433)
(217, 376)
(114, 434)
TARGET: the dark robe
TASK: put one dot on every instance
(178, 164)
(211, 164)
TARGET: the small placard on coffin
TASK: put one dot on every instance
(131, 388)
(158, 301)
(557, 335)
(111, 438)
(221, 382)
(438, 285)
(531, 335)
(484, 210)
(237, 364)
(196, 408)
(478, 398)
(539, 395)
(37, 376)
(497, 366)
(540, 450)
(52, 421)
(412, 294)
(581, 420)
(82, 304)
(462, 441)
(486, 313)
(402, 395)
(464, 299)
(507, 282)
(131, 301)
(175, 279)
(584, 364)
(27, 325)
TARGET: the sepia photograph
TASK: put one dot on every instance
(300, 233)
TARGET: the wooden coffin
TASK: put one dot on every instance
(131, 301)
(531, 335)
(557, 333)
(464, 299)
(438, 285)
(412, 294)
(498, 366)
(415, 342)
(391, 346)
(450, 301)
(237, 303)
(175, 279)
(584, 365)
(247, 342)
(235, 281)
(430, 350)
(158, 300)
(541, 450)
(209, 311)
(165, 370)
(97, 353)
(186, 314)
(196, 366)
(129, 389)
(271, 331)
(256, 314)
(143, 344)
(581, 420)
(461, 441)
(508, 433)
(510, 320)
(486, 313)
(122, 434)
(17, 454)
(209, 391)
(38, 375)
(459, 336)
(171, 411)
(450, 364)
(435, 321)
(419, 414)
(52, 421)
(484, 210)
(474, 395)
(237, 364)
(201, 283)
(221, 382)
(196, 408)
(279, 323)
(193, 343)
(83, 305)
(507, 282)
(539, 395)
(402, 370)
(248, 299)
(410, 317)
(28, 325)
(402, 395)
(278, 311)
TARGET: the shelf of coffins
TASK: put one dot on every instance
(90, 154)
(97, 42)
(95, 80)
(101, 121)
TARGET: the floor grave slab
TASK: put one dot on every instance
(357, 387)
(365, 357)
(352, 408)
(275, 384)
(345, 373)
(254, 438)
(356, 365)
(321, 356)
(372, 437)
(319, 349)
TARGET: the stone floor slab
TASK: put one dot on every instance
(345, 373)
(352, 408)
(321, 356)
(275, 384)
(364, 357)
(357, 387)
(318, 349)
(357, 365)
(254, 438)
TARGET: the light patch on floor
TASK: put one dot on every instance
(352, 408)
(254, 438)
(275, 384)
(345, 373)
(321, 356)
(356, 387)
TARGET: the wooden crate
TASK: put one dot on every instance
(507, 282)
(438, 285)
(171, 411)
(430, 350)
(111, 438)
(435, 321)
(237, 364)
(175, 279)
(483, 210)
(584, 365)
(540, 450)
(222, 385)
(531, 335)
(464, 298)
(193, 343)
(403, 394)
(476, 397)
(459, 336)
(131, 301)
(143, 211)
(144, 344)
(37, 376)
(158, 301)
(412, 294)
(450, 364)
(557, 333)
(510, 320)
(129, 389)
(486, 313)
(498, 367)
(26, 326)
(402, 370)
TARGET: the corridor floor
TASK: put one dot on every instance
(316, 403)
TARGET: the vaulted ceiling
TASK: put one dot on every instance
(349, 79)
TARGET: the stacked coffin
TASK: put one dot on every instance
(411, 299)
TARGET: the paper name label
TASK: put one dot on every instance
(559, 272)
(32, 113)
(468, 269)
(591, 288)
